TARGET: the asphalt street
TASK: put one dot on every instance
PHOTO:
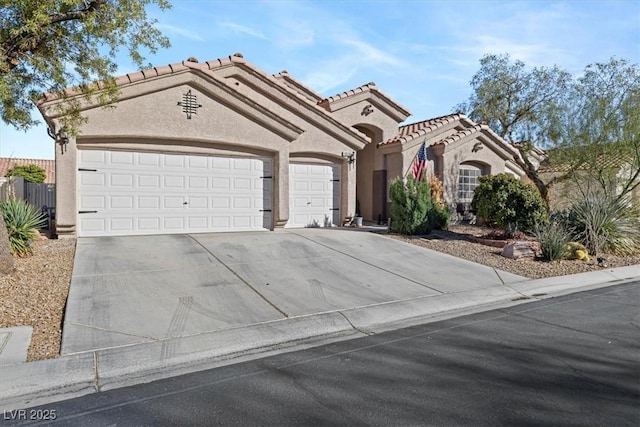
(569, 361)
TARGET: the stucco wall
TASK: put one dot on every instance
(148, 118)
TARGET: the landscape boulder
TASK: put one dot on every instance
(517, 250)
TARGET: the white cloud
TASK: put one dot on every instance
(369, 54)
(294, 34)
(180, 32)
(243, 29)
(333, 74)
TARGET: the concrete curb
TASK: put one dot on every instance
(37, 383)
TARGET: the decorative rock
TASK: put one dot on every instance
(517, 250)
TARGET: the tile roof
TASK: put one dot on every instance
(298, 86)
(462, 134)
(49, 166)
(415, 130)
(369, 87)
(193, 63)
(601, 162)
(351, 92)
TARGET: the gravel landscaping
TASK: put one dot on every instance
(35, 295)
(458, 242)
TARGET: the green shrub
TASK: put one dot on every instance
(505, 201)
(411, 203)
(30, 173)
(440, 216)
(605, 223)
(553, 239)
(22, 221)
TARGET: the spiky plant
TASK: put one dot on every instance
(553, 239)
(23, 221)
(605, 223)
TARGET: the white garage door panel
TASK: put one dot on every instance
(124, 193)
(314, 195)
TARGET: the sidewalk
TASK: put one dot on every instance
(38, 383)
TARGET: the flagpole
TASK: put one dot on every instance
(414, 158)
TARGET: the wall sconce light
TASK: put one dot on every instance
(477, 147)
(368, 109)
(350, 156)
(61, 138)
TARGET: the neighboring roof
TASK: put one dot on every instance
(602, 162)
(534, 149)
(415, 130)
(370, 87)
(49, 166)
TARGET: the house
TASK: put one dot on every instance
(223, 146)
(589, 177)
(7, 163)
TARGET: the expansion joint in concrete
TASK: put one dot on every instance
(95, 371)
(239, 277)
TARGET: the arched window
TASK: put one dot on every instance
(468, 181)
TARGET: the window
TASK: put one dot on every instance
(467, 182)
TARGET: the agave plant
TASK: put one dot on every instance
(23, 221)
(607, 224)
(553, 240)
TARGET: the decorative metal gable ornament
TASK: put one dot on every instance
(189, 104)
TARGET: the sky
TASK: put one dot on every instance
(420, 53)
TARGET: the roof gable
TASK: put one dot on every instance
(415, 130)
(298, 86)
(368, 91)
(213, 71)
(459, 128)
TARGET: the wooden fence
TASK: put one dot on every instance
(41, 196)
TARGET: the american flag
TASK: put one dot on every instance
(419, 167)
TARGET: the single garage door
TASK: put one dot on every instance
(125, 193)
(314, 195)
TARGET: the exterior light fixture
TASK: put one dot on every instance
(61, 138)
(350, 156)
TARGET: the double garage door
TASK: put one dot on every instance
(126, 193)
(129, 193)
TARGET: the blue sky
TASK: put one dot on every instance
(421, 53)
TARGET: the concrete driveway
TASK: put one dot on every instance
(135, 289)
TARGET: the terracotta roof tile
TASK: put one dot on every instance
(136, 77)
(49, 166)
(351, 92)
(461, 134)
(298, 86)
(164, 69)
(602, 161)
(415, 130)
(369, 87)
(151, 72)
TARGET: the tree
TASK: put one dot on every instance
(522, 106)
(49, 45)
(577, 120)
(30, 173)
(600, 137)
